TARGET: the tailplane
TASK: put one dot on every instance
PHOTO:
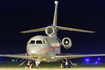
(51, 31)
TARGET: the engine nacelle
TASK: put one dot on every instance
(67, 43)
(49, 30)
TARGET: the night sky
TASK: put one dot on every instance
(19, 15)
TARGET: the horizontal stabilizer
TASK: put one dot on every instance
(74, 29)
(33, 30)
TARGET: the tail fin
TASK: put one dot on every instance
(55, 14)
(55, 26)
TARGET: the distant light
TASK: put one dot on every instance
(16, 60)
(20, 60)
(96, 63)
(87, 60)
(13, 60)
(98, 59)
(48, 62)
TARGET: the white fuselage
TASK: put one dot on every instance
(43, 47)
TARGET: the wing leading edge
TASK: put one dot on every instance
(58, 56)
(72, 56)
(20, 56)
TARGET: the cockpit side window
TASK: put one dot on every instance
(39, 42)
(44, 42)
(32, 42)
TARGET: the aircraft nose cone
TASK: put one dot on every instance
(34, 52)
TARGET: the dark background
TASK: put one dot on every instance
(19, 15)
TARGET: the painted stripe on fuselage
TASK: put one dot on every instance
(49, 48)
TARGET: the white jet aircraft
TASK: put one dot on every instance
(47, 48)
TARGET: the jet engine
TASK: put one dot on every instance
(67, 43)
(49, 30)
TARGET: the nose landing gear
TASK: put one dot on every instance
(37, 62)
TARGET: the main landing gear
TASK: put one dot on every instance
(30, 62)
(68, 63)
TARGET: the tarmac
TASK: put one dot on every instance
(53, 69)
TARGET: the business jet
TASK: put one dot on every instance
(47, 48)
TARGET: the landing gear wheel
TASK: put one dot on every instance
(64, 66)
(36, 67)
(27, 66)
(69, 65)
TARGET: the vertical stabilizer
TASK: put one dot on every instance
(55, 14)
(52, 30)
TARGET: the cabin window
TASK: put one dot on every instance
(39, 42)
(32, 42)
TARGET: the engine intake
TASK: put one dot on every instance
(49, 30)
(67, 43)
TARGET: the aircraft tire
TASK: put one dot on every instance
(28, 66)
(64, 66)
(37, 67)
(69, 65)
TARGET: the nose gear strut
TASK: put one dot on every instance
(37, 62)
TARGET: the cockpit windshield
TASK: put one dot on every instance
(32, 42)
(37, 42)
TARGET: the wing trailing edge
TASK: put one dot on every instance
(72, 56)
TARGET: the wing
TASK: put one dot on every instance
(72, 56)
(20, 56)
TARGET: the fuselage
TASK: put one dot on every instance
(43, 47)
